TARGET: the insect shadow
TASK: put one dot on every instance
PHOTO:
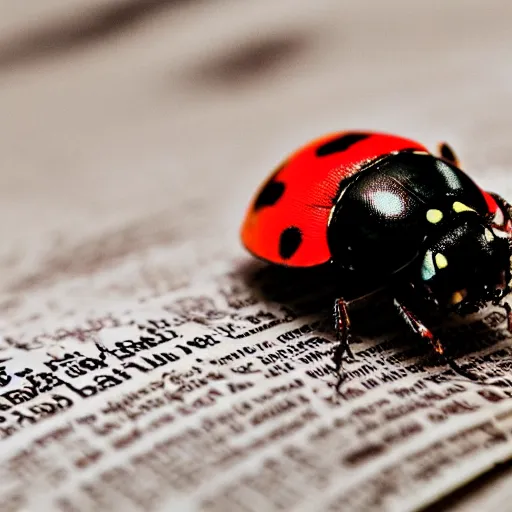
(312, 291)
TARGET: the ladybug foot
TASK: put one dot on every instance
(338, 357)
(342, 376)
(339, 353)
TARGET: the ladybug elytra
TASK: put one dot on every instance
(388, 214)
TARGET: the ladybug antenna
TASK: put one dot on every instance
(447, 154)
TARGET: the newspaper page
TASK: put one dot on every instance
(146, 362)
(209, 398)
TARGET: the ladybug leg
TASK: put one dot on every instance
(504, 223)
(342, 325)
(500, 301)
(447, 153)
(508, 311)
(420, 329)
(505, 206)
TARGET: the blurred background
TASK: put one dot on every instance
(133, 124)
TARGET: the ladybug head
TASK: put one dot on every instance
(468, 265)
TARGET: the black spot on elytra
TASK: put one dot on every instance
(270, 194)
(340, 144)
(289, 242)
(447, 153)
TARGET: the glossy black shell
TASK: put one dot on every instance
(379, 224)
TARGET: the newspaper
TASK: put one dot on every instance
(148, 363)
(211, 398)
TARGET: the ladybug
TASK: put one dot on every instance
(386, 213)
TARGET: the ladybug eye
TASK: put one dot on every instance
(428, 270)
